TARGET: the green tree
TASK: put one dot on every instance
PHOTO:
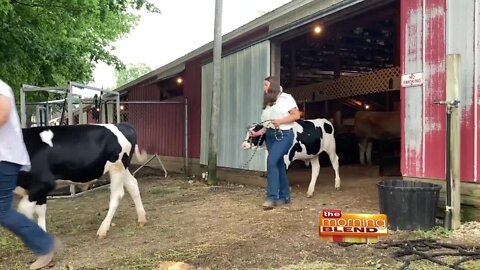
(130, 73)
(48, 43)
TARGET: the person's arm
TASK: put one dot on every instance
(5, 109)
(293, 113)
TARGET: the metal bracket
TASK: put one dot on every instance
(450, 104)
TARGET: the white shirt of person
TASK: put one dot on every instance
(285, 102)
(12, 146)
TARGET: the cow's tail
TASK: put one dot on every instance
(140, 156)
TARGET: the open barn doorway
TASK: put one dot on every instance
(338, 66)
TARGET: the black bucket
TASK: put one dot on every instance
(409, 205)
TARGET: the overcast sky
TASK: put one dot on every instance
(183, 26)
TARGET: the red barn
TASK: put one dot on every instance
(335, 58)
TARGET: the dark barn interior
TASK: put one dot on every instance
(338, 66)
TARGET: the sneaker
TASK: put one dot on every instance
(280, 202)
(267, 205)
(44, 260)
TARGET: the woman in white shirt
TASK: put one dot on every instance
(13, 158)
(283, 111)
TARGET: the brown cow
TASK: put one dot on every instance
(370, 125)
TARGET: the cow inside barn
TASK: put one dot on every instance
(311, 138)
(369, 125)
(79, 154)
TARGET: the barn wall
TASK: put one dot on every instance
(464, 15)
(159, 126)
(192, 91)
(240, 105)
(476, 83)
(423, 50)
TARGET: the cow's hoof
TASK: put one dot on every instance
(337, 189)
(309, 195)
(101, 233)
(142, 223)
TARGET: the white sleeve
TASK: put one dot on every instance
(290, 103)
(5, 90)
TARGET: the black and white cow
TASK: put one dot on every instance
(311, 138)
(79, 154)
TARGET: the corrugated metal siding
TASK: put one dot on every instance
(192, 90)
(144, 93)
(423, 50)
(461, 15)
(241, 99)
(159, 126)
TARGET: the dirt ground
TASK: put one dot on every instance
(221, 227)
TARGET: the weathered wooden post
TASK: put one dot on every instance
(217, 80)
(453, 93)
(452, 170)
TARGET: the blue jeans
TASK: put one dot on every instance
(36, 239)
(277, 181)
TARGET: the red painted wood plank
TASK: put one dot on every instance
(477, 81)
(435, 88)
(411, 61)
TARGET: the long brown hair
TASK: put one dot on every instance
(273, 90)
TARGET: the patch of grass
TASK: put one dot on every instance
(435, 233)
(9, 242)
(472, 265)
(372, 265)
(314, 266)
(181, 255)
(426, 265)
(161, 191)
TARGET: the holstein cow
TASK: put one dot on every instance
(311, 138)
(79, 154)
(370, 125)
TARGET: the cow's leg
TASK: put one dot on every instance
(369, 153)
(41, 211)
(131, 185)
(362, 145)
(36, 201)
(315, 171)
(26, 207)
(332, 154)
(116, 194)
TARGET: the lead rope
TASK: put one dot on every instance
(244, 166)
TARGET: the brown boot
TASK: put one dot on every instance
(44, 260)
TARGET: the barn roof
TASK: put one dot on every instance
(178, 65)
(278, 22)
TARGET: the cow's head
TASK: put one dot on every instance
(251, 142)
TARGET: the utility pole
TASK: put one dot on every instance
(217, 79)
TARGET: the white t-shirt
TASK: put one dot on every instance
(12, 146)
(285, 102)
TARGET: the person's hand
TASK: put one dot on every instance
(255, 133)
